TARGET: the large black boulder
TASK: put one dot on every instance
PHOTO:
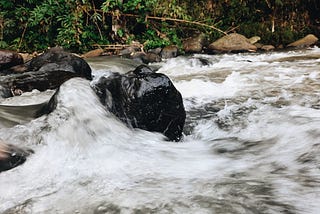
(144, 99)
(56, 59)
(47, 71)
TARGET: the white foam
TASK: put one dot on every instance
(245, 157)
(202, 91)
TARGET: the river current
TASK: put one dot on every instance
(251, 142)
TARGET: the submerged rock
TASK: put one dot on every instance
(12, 156)
(144, 99)
(232, 43)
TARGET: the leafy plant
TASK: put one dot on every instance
(79, 25)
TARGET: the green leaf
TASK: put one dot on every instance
(120, 32)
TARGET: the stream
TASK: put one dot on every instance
(251, 142)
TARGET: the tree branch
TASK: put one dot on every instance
(177, 20)
(186, 21)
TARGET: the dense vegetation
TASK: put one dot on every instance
(80, 25)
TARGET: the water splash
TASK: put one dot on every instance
(251, 146)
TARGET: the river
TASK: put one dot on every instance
(251, 143)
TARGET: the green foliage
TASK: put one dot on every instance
(3, 45)
(171, 9)
(79, 24)
(151, 40)
(35, 25)
(110, 5)
(133, 6)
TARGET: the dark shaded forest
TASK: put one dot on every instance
(82, 25)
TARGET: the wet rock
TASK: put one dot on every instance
(203, 61)
(267, 47)
(137, 56)
(146, 58)
(151, 57)
(232, 43)
(12, 156)
(169, 52)
(127, 51)
(56, 59)
(9, 59)
(304, 42)
(93, 53)
(194, 44)
(155, 50)
(16, 69)
(5, 92)
(144, 99)
(47, 71)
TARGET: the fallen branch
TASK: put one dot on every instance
(119, 46)
(232, 29)
(186, 21)
(175, 20)
(111, 47)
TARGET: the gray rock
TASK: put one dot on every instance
(267, 47)
(169, 52)
(304, 42)
(232, 43)
(151, 57)
(194, 44)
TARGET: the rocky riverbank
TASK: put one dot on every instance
(231, 43)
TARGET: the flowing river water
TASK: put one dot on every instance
(251, 143)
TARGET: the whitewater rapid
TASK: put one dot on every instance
(251, 143)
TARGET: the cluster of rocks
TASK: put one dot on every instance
(231, 43)
(235, 43)
(140, 98)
